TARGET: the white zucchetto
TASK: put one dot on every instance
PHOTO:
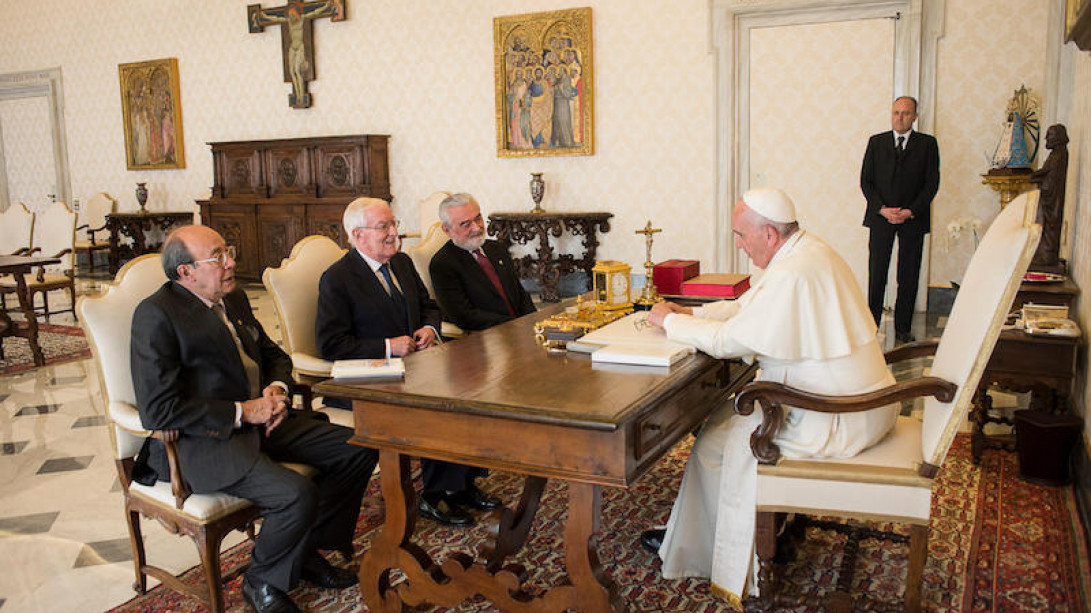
(771, 203)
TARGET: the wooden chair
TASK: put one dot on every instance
(294, 288)
(54, 236)
(93, 221)
(206, 518)
(893, 480)
(16, 229)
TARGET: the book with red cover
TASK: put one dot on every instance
(668, 276)
(717, 285)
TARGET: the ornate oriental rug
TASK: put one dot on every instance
(59, 344)
(997, 544)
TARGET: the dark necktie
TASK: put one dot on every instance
(253, 373)
(395, 294)
(490, 272)
(901, 144)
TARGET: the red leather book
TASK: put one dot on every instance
(668, 276)
(717, 285)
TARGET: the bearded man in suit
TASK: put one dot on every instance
(475, 282)
(203, 365)
(899, 178)
(373, 304)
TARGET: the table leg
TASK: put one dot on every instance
(459, 577)
(31, 319)
(508, 529)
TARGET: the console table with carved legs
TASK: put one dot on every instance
(546, 265)
(497, 400)
(136, 226)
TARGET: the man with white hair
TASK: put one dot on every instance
(807, 324)
(373, 304)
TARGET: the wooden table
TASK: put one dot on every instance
(545, 266)
(135, 225)
(497, 400)
(17, 266)
(1045, 366)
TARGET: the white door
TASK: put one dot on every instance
(817, 92)
(26, 129)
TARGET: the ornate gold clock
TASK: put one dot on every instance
(611, 285)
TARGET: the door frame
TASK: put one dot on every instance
(32, 84)
(920, 27)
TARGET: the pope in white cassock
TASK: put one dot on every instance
(808, 325)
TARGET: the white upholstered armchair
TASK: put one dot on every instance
(893, 480)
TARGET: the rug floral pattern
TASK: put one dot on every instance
(58, 343)
(952, 578)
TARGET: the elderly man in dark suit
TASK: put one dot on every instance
(373, 304)
(899, 178)
(203, 365)
(476, 284)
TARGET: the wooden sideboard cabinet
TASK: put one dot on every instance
(268, 194)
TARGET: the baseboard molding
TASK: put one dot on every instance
(1081, 484)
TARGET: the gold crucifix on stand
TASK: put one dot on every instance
(650, 295)
(297, 39)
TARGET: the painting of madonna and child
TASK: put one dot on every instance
(544, 83)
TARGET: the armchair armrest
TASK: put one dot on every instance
(773, 395)
(916, 349)
(91, 233)
(126, 417)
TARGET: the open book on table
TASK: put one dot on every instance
(631, 340)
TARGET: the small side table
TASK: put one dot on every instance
(546, 267)
(134, 225)
(1045, 366)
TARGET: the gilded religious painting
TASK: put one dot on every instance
(544, 84)
(152, 115)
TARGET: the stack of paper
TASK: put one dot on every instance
(645, 355)
(368, 369)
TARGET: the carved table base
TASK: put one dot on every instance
(134, 226)
(545, 266)
(460, 577)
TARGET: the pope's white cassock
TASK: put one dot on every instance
(808, 325)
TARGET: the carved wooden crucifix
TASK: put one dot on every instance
(297, 39)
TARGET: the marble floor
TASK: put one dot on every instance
(63, 540)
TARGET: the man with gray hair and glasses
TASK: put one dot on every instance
(203, 365)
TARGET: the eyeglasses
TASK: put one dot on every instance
(220, 258)
(384, 226)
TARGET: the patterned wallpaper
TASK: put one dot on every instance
(419, 70)
(29, 160)
(985, 55)
(1077, 197)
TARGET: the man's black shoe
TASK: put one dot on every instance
(265, 598)
(319, 571)
(444, 512)
(474, 498)
(652, 539)
(904, 337)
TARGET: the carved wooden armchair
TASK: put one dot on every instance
(893, 480)
(206, 518)
(54, 236)
(93, 222)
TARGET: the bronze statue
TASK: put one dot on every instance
(1051, 181)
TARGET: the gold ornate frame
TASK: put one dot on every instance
(151, 111)
(559, 45)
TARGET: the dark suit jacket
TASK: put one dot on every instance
(464, 292)
(911, 182)
(356, 315)
(187, 375)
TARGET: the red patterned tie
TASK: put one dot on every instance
(490, 272)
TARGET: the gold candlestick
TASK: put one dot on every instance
(650, 295)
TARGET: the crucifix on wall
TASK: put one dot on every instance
(297, 39)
